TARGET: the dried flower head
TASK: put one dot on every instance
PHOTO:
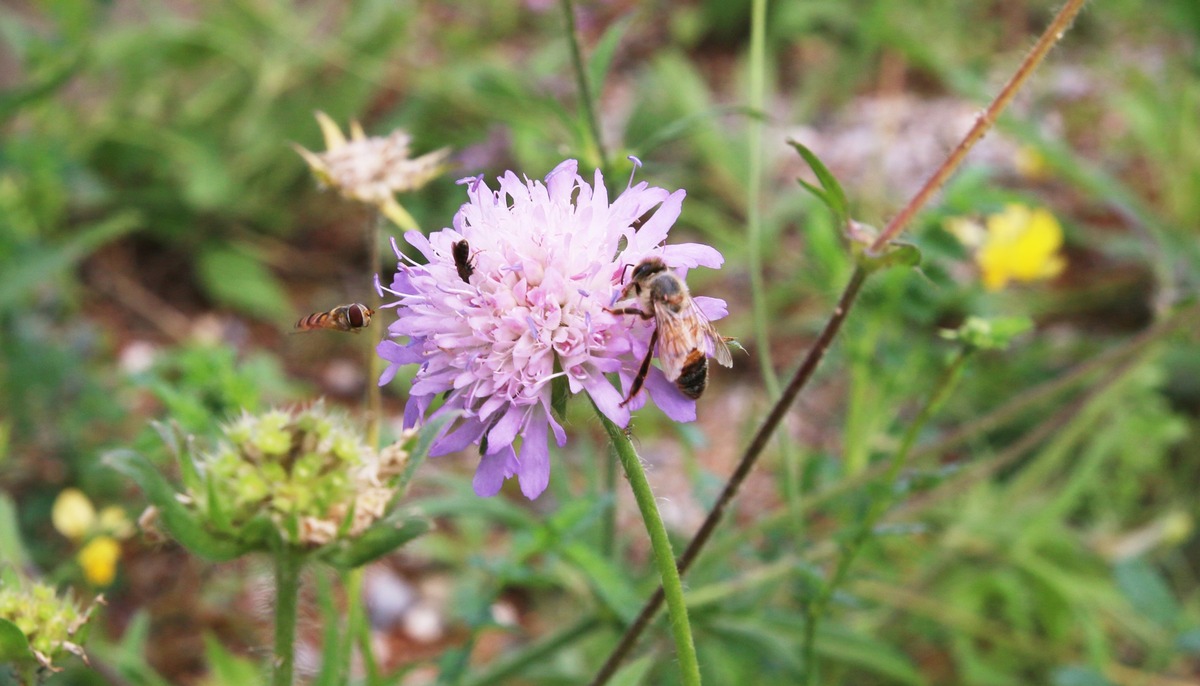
(306, 470)
(52, 625)
(372, 170)
(520, 311)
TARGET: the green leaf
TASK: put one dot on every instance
(420, 450)
(833, 196)
(381, 538)
(635, 672)
(181, 522)
(1074, 675)
(238, 280)
(866, 653)
(602, 56)
(22, 274)
(14, 646)
(12, 548)
(896, 254)
(610, 583)
(227, 669)
(1147, 592)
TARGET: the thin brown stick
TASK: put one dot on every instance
(1054, 33)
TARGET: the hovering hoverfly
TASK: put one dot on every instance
(353, 318)
(462, 259)
(684, 336)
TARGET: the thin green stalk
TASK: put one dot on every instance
(758, 78)
(816, 609)
(582, 81)
(535, 653)
(664, 558)
(373, 337)
(288, 561)
(608, 526)
(358, 629)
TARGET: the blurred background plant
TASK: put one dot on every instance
(158, 235)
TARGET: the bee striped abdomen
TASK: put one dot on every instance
(693, 377)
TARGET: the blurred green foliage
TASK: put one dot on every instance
(1046, 533)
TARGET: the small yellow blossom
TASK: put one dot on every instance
(99, 560)
(372, 170)
(73, 514)
(1021, 245)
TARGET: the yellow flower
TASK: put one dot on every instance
(1021, 245)
(372, 170)
(99, 560)
(73, 514)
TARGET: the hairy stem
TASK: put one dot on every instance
(664, 558)
(288, 561)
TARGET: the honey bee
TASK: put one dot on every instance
(353, 318)
(684, 336)
(462, 259)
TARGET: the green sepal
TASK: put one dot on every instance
(830, 193)
(896, 254)
(14, 644)
(995, 333)
(216, 509)
(560, 390)
(381, 538)
(181, 522)
(420, 448)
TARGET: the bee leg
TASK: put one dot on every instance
(643, 371)
(633, 310)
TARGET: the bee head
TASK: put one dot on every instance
(647, 268)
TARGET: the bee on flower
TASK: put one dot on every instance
(513, 306)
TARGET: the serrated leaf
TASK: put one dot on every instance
(610, 584)
(14, 645)
(235, 278)
(177, 519)
(380, 539)
(833, 197)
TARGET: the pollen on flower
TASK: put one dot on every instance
(1021, 245)
(548, 261)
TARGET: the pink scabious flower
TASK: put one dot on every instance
(545, 262)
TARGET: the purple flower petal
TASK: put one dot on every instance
(533, 468)
(712, 308)
(608, 399)
(492, 471)
(691, 255)
(668, 397)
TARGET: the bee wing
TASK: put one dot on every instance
(681, 332)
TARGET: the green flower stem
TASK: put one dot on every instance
(373, 337)
(585, 88)
(664, 557)
(758, 49)
(357, 628)
(608, 526)
(288, 561)
(535, 653)
(816, 609)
